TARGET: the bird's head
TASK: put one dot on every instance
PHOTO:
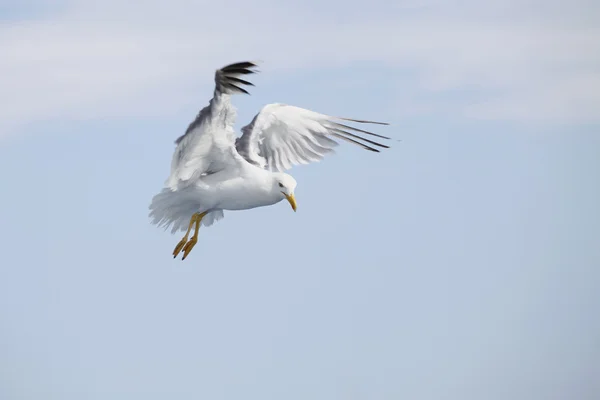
(285, 184)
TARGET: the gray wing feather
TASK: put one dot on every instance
(281, 136)
(208, 144)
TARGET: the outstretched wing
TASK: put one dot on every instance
(281, 136)
(208, 145)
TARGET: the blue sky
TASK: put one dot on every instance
(460, 264)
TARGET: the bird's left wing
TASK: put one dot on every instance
(281, 136)
(208, 144)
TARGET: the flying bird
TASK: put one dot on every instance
(212, 170)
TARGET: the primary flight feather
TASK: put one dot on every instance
(212, 170)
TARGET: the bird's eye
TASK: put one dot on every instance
(280, 184)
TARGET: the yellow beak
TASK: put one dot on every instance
(291, 199)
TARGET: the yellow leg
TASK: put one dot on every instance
(184, 244)
(183, 241)
(192, 242)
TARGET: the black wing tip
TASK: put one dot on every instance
(235, 88)
(363, 121)
(348, 127)
(352, 135)
(356, 142)
(240, 81)
(246, 65)
(343, 131)
(227, 78)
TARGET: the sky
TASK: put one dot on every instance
(462, 263)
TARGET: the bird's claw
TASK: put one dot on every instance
(179, 246)
(188, 247)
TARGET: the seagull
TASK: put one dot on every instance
(212, 170)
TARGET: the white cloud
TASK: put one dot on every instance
(531, 60)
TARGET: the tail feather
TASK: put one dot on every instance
(170, 209)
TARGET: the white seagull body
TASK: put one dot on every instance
(212, 170)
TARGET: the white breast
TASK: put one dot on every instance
(250, 188)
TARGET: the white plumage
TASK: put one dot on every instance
(212, 170)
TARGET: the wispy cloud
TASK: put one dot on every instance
(531, 60)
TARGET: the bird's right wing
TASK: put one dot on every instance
(281, 136)
(208, 145)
